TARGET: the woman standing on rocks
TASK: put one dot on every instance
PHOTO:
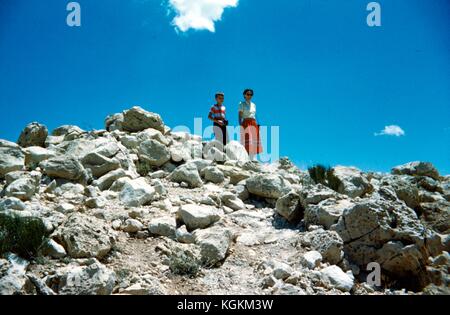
(250, 137)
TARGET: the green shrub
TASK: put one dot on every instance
(184, 263)
(332, 181)
(318, 173)
(21, 235)
(325, 176)
(143, 168)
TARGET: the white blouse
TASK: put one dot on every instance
(248, 110)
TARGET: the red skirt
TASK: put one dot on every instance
(250, 137)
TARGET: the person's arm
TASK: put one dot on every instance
(241, 113)
(210, 116)
(213, 119)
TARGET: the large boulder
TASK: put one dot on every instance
(350, 181)
(98, 164)
(163, 226)
(436, 216)
(213, 174)
(137, 193)
(12, 157)
(35, 155)
(268, 186)
(314, 194)
(11, 203)
(232, 201)
(198, 217)
(114, 122)
(153, 153)
(328, 243)
(214, 244)
(106, 181)
(387, 232)
(151, 134)
(417, 169)
(91, 279)
(24, 188)
(34, 134)
(185, 151)
(235, 151)
(137, 119)
(66, 168)
(72, 132)
(187, 173)
(404, 188)
(327, 212)
(289, 207)
(85, 236)
(236, 174)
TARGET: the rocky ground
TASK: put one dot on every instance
(138, 209)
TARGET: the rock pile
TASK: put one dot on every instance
(138, 209)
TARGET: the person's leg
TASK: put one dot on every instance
(253, 149)
(218, 132)
(224, 136)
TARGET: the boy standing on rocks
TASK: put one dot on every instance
(217, 114)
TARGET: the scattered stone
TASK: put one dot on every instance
(164, 226)
(12, 203)
(53, 249)
(328, 243)
(214, 244)
(311, 259)
(197, 217)
(106, 181)
(132, 226)
(213, 174)
(23, 188)
(341, 280)
(65, 208)
(289, 207)
(136, 193)
(232, 201)
(95, 202)
(187, 173)
(235, 151)
(12, 158)
(183, 235)
(153, 153)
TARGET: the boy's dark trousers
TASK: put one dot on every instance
(220, 132)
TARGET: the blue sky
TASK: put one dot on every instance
(319, 72)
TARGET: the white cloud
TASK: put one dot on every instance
(392, 130)
(199, 14)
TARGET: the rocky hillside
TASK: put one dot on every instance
(138, 209)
